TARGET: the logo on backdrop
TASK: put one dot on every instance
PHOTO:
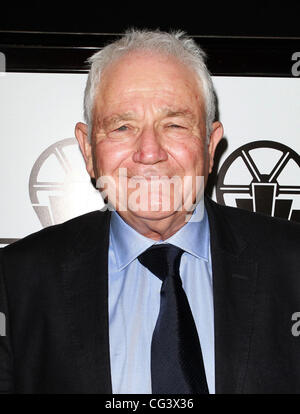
(59, 186)
(264, 177)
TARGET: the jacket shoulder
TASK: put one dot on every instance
(256, 228)
(52, 243)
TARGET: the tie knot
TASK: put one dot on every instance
(162, 260)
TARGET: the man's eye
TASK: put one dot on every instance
(122, 128)
(175, 126)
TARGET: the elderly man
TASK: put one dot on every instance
(159, 292)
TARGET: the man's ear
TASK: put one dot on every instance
(81, 133)
(215, 137)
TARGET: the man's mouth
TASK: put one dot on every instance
(149, 177)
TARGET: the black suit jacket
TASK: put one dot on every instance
(54, 293)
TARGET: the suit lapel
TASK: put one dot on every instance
(234, 279)
(85, 283)
(234, 286)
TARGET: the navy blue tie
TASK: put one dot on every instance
(176, 359)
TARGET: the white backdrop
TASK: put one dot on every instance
(38, 111)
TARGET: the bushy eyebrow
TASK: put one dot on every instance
(127, 116)
(114, 119)
(170, 113)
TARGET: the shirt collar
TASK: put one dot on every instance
(128, 244)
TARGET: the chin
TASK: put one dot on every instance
(153, 215)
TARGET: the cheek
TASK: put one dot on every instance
(191, 157)
(109, 158)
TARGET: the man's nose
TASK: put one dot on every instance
(149, 148)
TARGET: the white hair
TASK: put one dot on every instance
(176, 44)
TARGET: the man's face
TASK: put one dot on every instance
(149, 120)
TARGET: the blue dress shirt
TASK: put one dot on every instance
(134, 300)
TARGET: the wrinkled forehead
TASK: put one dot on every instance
(152, 78)
(147, 71)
